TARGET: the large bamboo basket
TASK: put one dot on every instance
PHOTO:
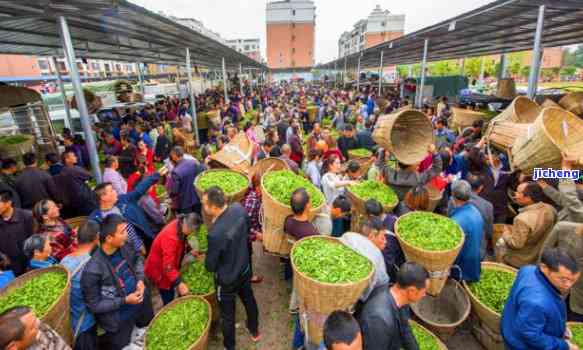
(439, 342)
(407, 135)
(236, 155)
(274, 214)
(573, 102)
(463, 118)
(550, 103)
(438, 263)
(486, 315)
(353, 156)
(58, 316)
(231, 198)
(322, 297)
(17, 150)
(435, 197)
(266, 165)
(358, 203)
(76, 222)
(314, 329)
(211, 298)
(506, 88)
(443, 313)
(202, 342)
(521, 110)
(94, 102)
(503, 134)
(556, 131)
(312, 113)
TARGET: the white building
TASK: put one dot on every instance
(249, 47)
(380, 26)
(198, 26)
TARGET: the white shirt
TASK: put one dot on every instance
(329, 181)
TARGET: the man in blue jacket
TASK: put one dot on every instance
(472, 224)
(535, 313)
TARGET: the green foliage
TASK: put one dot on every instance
(179, 327)
(444, 68)
(229, 181)
(13, 139)
(38, 293)
(330, 262)
(281, 185)
(577, 331)
(568, 71)
(493, 288)
(429, 231)
(425, 340)
(199, 241)
(375, 190)
(198, 279)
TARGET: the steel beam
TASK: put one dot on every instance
(423, 67)
(191, 94)
(536, 54)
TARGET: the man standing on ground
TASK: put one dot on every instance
(15, 228)
(228, 259)
(34, 184)
(181, 183)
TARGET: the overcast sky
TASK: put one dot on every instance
(234, 19)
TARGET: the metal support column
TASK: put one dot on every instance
(335, 76)
(241, 78)
(536, 54)
(481, 79)
(344, 74)
(225, 82)
(178, 79)
(503, 66)
(80, 96)
(68, 119)
(191, 94)
(410, 73)
(141, 78)
(463, 67)
(423, 67)
(358, 75)
(381, 75)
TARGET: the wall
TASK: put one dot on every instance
(19, 65)
(373, 39)
(280, 46)
(552, 58)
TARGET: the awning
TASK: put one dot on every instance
(502, 26)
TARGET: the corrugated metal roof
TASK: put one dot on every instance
(502, 26)
(109, 29)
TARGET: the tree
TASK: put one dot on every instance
(568, 71)
(525, 72)
(444, 68)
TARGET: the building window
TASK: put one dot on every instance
(293, 63)
(118, 67)
(44, 65)
(293, 50)
(384, 24)
(246, 47)
(95, 66)
(293, 25)
(293, 38)
(293, 12)
(80, 66)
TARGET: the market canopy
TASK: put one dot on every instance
(114, 30)
(502, 26)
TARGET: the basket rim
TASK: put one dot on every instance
(467, 111)
(222, 170)
(493, 266)
(390, 205)
(402, 241)
(176, 302)
(543, 118)
(465, 314)
(402, 113)
(264, 192)
(439, 342)
(337, 241)
(35, 273)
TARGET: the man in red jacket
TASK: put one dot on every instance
(163, 264)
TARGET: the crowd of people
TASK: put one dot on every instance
(135, 239)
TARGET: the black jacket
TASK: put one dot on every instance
(102, 291)
(346, 144)
(33, 185)
(228, 250)
(13, 233)
(384, 325)
(162, 147)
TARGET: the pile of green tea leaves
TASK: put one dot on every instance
(360, 153)
(493, 288)
(429, 231)
(425, 340)
(198, 279)
(199, 240)
(330, 262)
(577, 331)
(38, 293)
(13, 139)
(281, 185)
(161, 191)
(375, 190)
(228, 181)
(179, 327)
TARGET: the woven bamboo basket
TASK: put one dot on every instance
(358, 203)
(94, 102)
(202, 342)
(555, 132)
(439, 342)
(16, 151)
(231, 198)
(463, 118)
(353, 156)
(438, 263)
(314, 329)
(435, 197)
(236, 155)
(407, 135)
(211, 298)
(573, 102)
(503, 134)
(486, 315)
(443, 313)
(274, 214)
(382, 103)
(322, 297)
(214, 117)
(312, 112)
(550, 103)
(58, 316)
(521, 110)
(267, 164)
(76, 222)
(506, 88)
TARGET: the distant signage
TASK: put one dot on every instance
(390, 74)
